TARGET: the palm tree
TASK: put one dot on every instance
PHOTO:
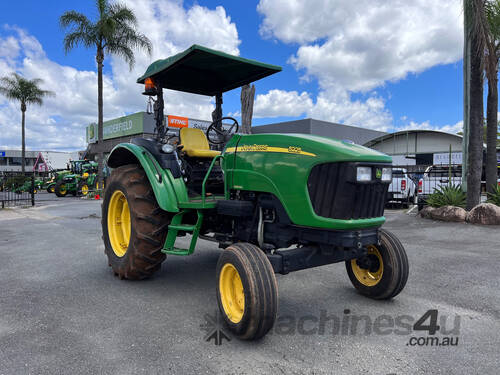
(475, 30)
(25, 91)
(114, 32)
(492, 9)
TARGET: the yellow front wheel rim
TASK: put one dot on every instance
(119, 223)
(62, 189)
(231, 293)
(365, 276)
(85, 189)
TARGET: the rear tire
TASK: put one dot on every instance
(247, 292)
(60, 189)
(388, 272)
(140, 256)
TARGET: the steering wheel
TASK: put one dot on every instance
(219, 136)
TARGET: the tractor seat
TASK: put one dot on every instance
(195, 143)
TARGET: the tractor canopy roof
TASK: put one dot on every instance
(204, 71)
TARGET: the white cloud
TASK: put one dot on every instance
(355, 46)
(361, 44)
(60, 123)
(426, 125)
(278, 103)
(331, 105)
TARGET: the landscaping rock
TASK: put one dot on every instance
(449, 213)
(426, 212)
(484, 213)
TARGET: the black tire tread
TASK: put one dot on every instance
(149, 225)
(398, 264)
(263, 290)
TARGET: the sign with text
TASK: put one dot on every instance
(444, 158)
(177, 122)
(123, 126)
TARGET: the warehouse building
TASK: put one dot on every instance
(322, 128)
(419, 147)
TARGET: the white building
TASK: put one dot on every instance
(10, 160)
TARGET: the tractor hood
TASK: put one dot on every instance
(315, 149)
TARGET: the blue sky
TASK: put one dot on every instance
(399, 67)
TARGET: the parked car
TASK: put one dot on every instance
(402, 189)
(436, 176)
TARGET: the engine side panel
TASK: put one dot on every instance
(280, 164)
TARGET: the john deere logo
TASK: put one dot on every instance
(378, 173)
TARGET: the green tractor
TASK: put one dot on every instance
(79, 181)
(27, 187)
(275, 203)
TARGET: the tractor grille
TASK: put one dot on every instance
(335, 193)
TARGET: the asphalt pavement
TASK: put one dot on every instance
(62, 311)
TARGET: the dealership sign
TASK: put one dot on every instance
(142, 122)
(444, 158)
(123, 126)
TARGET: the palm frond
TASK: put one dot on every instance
(123, 51)
(82, 30)
(121, 14)
(102, 7)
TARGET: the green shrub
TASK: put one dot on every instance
(448, 195)
(495, 196)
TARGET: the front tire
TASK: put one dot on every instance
(383, 272)
(134, 227)
(247, 292)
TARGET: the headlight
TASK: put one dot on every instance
(386, 174)
(167, 149)
(363, 174)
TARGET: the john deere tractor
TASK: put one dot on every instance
(275, 203)
(81, 179)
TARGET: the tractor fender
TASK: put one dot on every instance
(169, 191)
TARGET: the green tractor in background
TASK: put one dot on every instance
(56, 177)
(81, 179)
(275, 203)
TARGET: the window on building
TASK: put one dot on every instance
(3, 161)
(15, 161)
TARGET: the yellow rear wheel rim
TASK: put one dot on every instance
(119, 223)
(365, 276)
(231, 293)
(85, 189)
(62, 189)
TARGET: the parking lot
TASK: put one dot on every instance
(63, 311)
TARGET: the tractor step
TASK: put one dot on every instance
(177, 251)
(175, 227)
(186, 228)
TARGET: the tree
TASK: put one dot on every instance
(26, 92)
(114, 32)
(492, 11)
(475, 31)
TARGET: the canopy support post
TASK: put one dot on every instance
(158, 110)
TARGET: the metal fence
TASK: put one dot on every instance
(17, 189)
(412, 184)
